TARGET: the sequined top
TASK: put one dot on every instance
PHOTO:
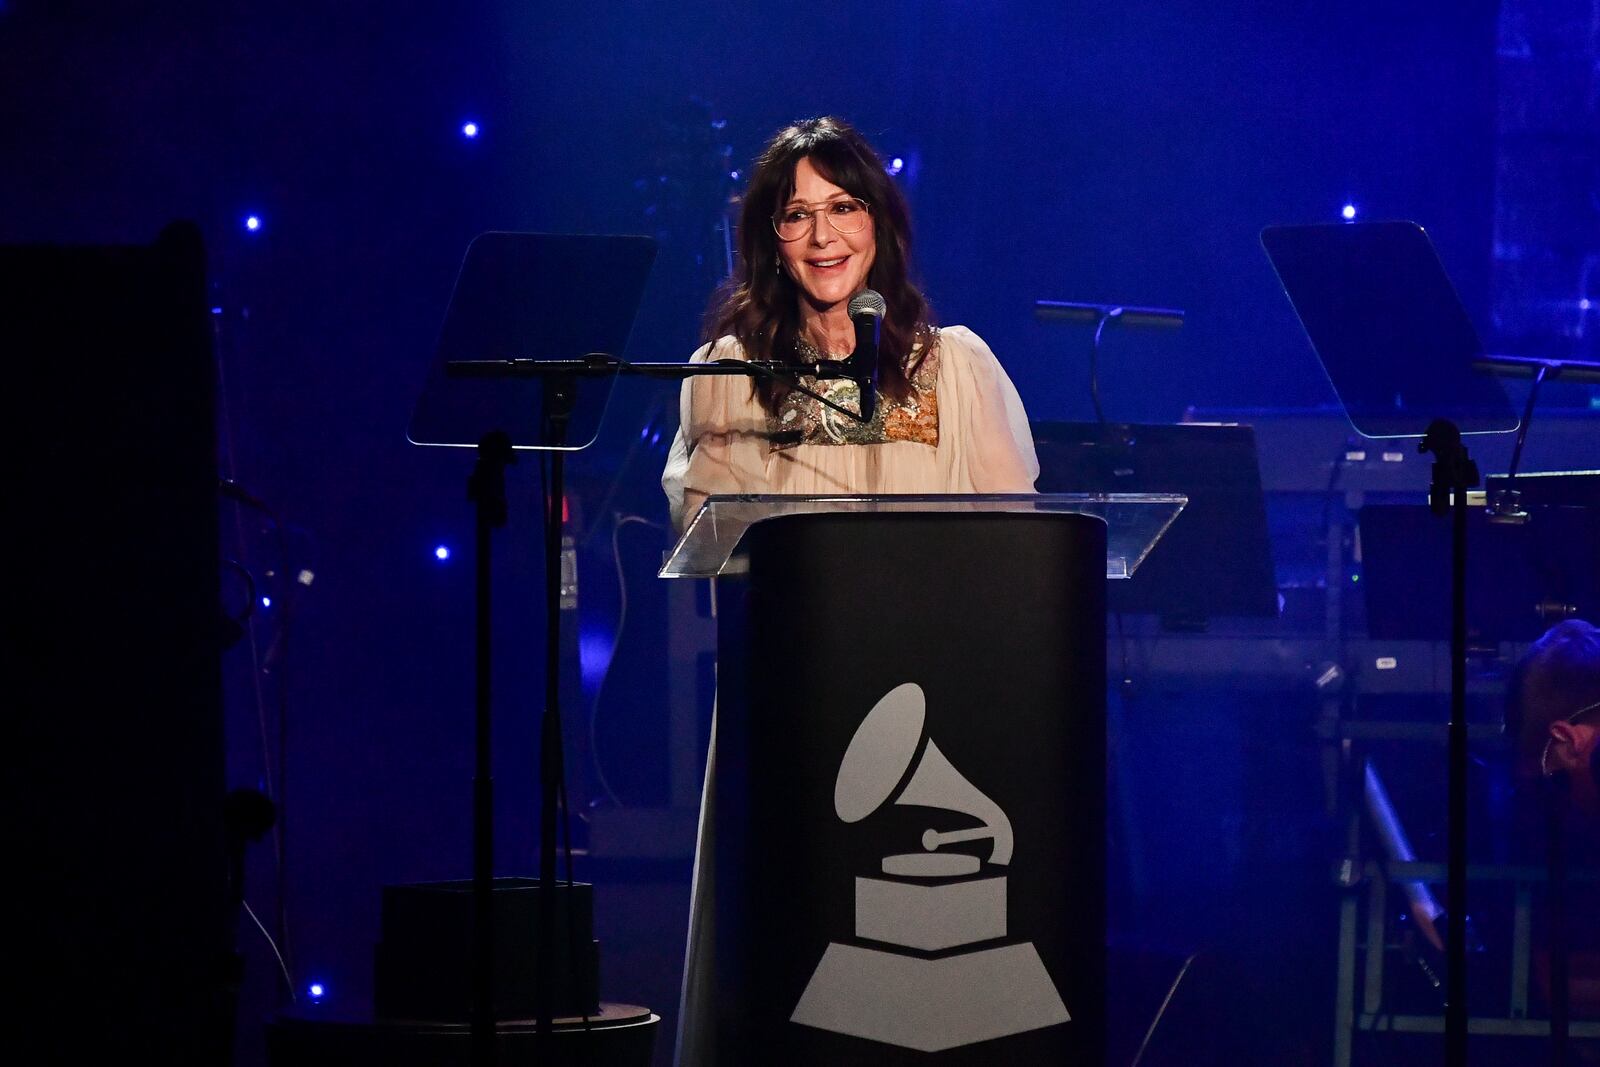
(962, 429)
(805, 420)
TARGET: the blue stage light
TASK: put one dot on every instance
(315, 990)
(442, 552)
(252, 223)
(1348, 213)
(469, 130)
(595, 649)
(266, 602)
(896, 165)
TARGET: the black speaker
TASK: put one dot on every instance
(112, 626)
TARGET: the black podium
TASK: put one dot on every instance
(905, 817)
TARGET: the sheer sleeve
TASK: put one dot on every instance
(990, 447)
(721, 446)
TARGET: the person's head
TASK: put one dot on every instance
(847, 229)
(1553, 710)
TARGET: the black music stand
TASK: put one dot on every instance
(1216, 560)
(532, 299)
(1398, 349)
(533, 315)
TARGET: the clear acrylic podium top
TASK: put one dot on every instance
(1134, 521)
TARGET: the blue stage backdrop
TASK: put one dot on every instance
(1125, 152)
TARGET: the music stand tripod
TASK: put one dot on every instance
(573, 300)
(1398, 349)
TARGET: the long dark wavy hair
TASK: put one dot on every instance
(760, 305)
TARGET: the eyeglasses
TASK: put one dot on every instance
(845, 216)
(1544, 757)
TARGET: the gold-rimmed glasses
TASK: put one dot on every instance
(846, 215)
(1544, 757)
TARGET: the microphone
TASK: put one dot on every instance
(866, 311)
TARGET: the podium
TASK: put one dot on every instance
(902, 849)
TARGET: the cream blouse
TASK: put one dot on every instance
(726, 441)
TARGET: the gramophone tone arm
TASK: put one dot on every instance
(933, 839)
(936, 784)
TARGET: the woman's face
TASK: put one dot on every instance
(829, 267)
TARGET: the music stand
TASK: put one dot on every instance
(1398, 349)
(1216, 560)
(531, 297)
(528, 300)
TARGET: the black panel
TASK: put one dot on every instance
(114, 626)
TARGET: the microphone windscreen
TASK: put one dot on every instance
(867, 302)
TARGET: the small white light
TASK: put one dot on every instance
(469, 130)
(266, 602)
(896, 165)
(442, 552)
(252, 223)
(316, 990)
(1349, 213)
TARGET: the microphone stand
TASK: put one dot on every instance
(1454, 473)
(600, 365)
(559, 394)
(486, 489)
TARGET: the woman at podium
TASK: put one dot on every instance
(822, 221)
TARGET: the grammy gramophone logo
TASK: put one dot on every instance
(931, 966)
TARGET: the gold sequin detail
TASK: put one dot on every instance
(803, 420)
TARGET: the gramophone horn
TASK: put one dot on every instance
(883, 747)
(879, 754)
(937, 784)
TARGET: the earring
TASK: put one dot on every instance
(777, 266)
